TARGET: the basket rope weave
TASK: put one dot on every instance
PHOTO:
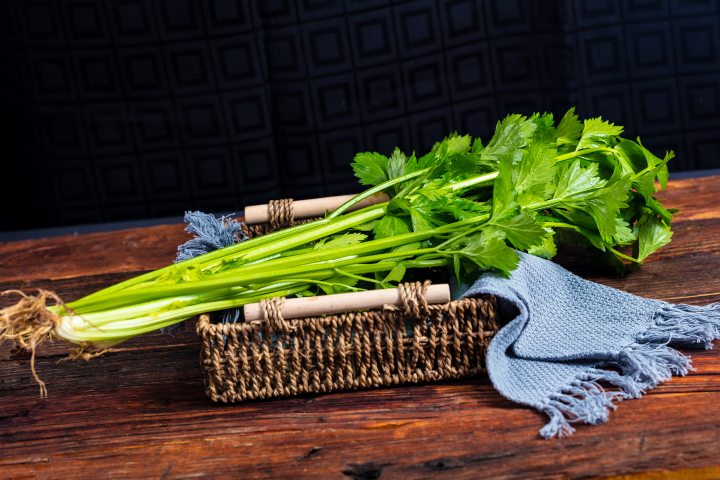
(415, 342)
(281, 216)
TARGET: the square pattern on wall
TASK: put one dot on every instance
(136, 109)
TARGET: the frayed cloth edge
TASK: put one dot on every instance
(643, 364)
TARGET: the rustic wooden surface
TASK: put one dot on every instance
(140, 411)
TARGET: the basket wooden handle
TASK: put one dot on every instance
(315, 207)
(345, 302)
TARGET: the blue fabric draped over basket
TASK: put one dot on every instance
(562, 332)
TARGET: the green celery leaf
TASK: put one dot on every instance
(461, 165)
(576, 180)
(342, 284)
(663, 174)
(347, 239)
(488, 250)
(420, 220)
(432, 193)
(634, 155)
(459, 144)
(425, 214)
(660, 211)
(396, 164)
(398, 206)
(371, 168)
(645, 185)
(477, 146)
(396, 274)
(538, 167)
(547, 248)
(366, 227)
(456, 265)
(522, 230)
(453, 143)
(407, 247)
(464, 209)
(605, 206)
(623, 232)
(577, 217)
(569, 129)
(595, 130)
(510, 135)
(653, 235)
(390, 226)
(504, 194)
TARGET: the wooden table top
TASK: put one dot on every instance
(140, 410)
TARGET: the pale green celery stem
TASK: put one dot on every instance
(146, 324)
(111, 335)
(347, 274)
(547, 204)
(578, 153)
(474, 182)
(311, 236)
(349, 250)
(120, 299)
(634, 260)
(377, 189)
(96, 303)
(154, 306)
(459, 236)
(247, 244)
(334, 253)
(129, 313)
(580, 229)
(327, 265)
(127, 298)
(584, 151)
(351, 218)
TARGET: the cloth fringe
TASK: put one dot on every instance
(210, 234)
(644, 364)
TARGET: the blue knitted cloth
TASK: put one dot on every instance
(561, 331)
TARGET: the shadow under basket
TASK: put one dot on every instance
(388, 346)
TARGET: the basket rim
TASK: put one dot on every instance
(206, 327)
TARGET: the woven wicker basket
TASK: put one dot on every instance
(392, 345)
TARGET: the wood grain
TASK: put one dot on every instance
(76, 255)
(140, 411)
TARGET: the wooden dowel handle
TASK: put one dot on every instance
(345, 302)
(315, 207)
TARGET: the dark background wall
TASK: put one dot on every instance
(128, 109)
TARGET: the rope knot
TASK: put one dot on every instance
(413, 298)
(281, 213)
(272, 312)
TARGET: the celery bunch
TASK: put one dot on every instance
(463, 205)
